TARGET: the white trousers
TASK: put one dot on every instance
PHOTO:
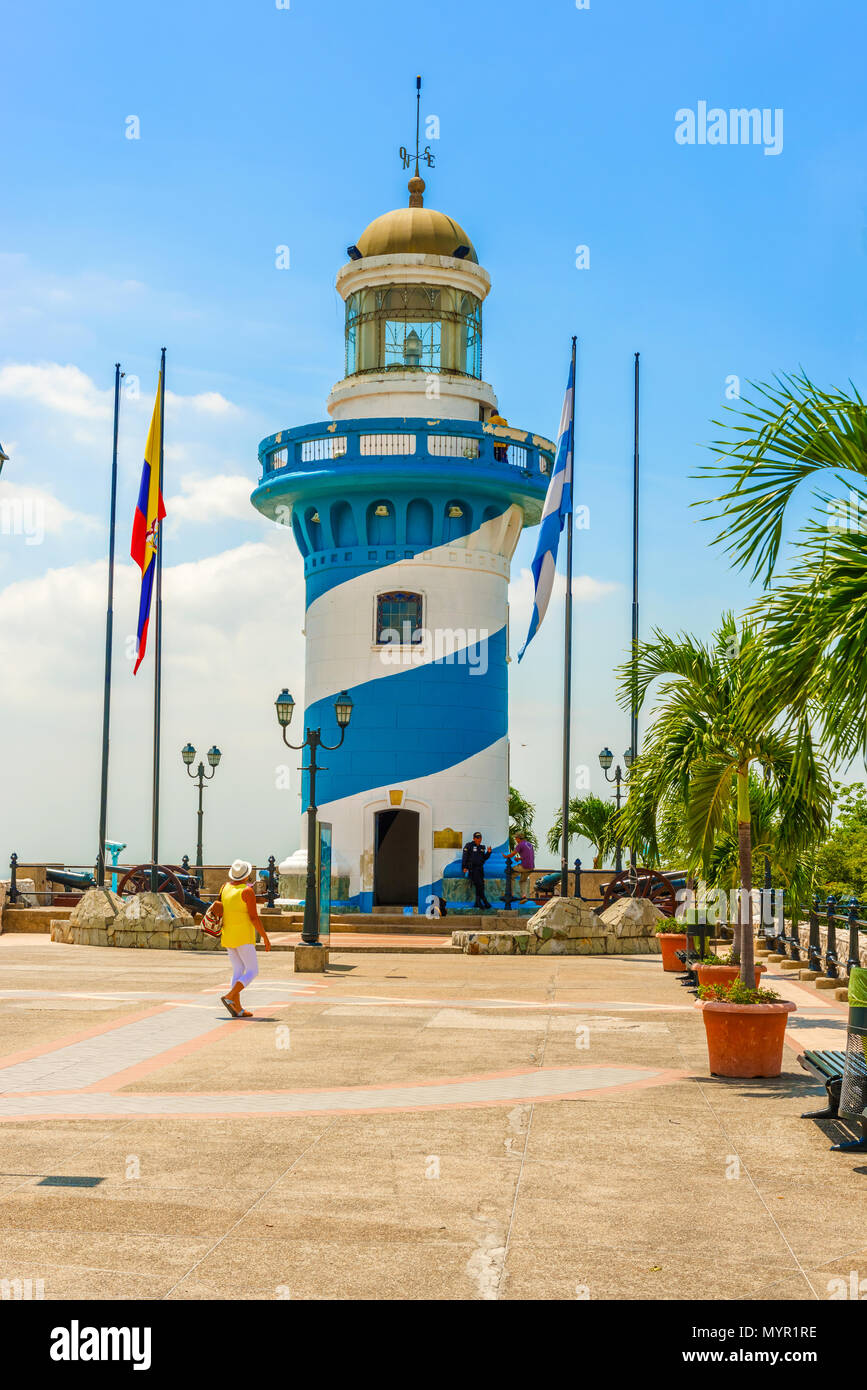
(245, 966)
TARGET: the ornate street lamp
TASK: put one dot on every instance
(606, 758)
(285, 707)
(188, 753)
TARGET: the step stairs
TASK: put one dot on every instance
(388, 923)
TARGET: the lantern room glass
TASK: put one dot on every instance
(414, 327)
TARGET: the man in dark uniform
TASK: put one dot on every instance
(473, 863)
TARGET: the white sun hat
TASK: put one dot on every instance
(240, 871)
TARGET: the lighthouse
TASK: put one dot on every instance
(406, 505)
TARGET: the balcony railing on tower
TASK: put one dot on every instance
(419, 439)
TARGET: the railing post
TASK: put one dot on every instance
(779, 923)
(13, 879)
(795, 942)
(854, 960)
(507, 899)
(814, 948)
(831, 948)
(768, 931)
(578, 893)
(185, 863)
(273, 882)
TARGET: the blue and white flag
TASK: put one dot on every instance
(558, 505)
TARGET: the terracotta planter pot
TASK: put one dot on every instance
(745, 1039)
(724, 974)
(669, 942)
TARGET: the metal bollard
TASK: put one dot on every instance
(13, 879)
(507, 900)
(578, 893)
(273, 881)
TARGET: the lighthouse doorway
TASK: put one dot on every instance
(395, 872)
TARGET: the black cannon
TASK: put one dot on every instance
(659, 888)
(66, 879)
(183, 887)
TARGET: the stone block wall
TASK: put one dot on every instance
(569, 927)
(152, 921)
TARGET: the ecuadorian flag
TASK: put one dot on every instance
(146, 525)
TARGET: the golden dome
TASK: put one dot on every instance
(416, 229)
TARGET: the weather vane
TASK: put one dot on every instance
(425, 154)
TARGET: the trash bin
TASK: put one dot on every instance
(853, 1092)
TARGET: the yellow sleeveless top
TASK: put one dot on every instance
(238, 930)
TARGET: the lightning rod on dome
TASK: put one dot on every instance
(416, 183)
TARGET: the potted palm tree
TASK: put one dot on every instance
(814, 621)
(745, 1028)
(709, 730)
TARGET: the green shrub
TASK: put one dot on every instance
(737, 993)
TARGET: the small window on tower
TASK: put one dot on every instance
(398, 619)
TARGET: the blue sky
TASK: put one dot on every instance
(263, 127)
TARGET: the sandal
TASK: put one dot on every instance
(230, 1006)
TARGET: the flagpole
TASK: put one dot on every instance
(567, 653)
(633, 723)
(109, 625)
(158, 652)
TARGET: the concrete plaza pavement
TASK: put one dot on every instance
(406, 1126)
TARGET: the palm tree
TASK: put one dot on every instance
(708, 733)
(591, 817)
(815, 621)
(521, 815)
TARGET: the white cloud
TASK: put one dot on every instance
(217, 498)
(70, 391)
(31, 513)
(66, 389)
(585, 589)
(205, 403)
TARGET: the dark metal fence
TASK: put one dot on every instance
(803, 942)
(74, 879)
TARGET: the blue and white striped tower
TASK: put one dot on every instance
(406, 506)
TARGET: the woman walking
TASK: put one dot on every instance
(240, 918)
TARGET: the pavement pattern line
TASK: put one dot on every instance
(94, 1058)
(306, 993)
(534, 1084)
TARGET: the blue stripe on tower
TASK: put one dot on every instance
(415, 722)
(331, 568)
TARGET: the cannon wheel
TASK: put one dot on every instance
(138, 880)
(646, 883)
